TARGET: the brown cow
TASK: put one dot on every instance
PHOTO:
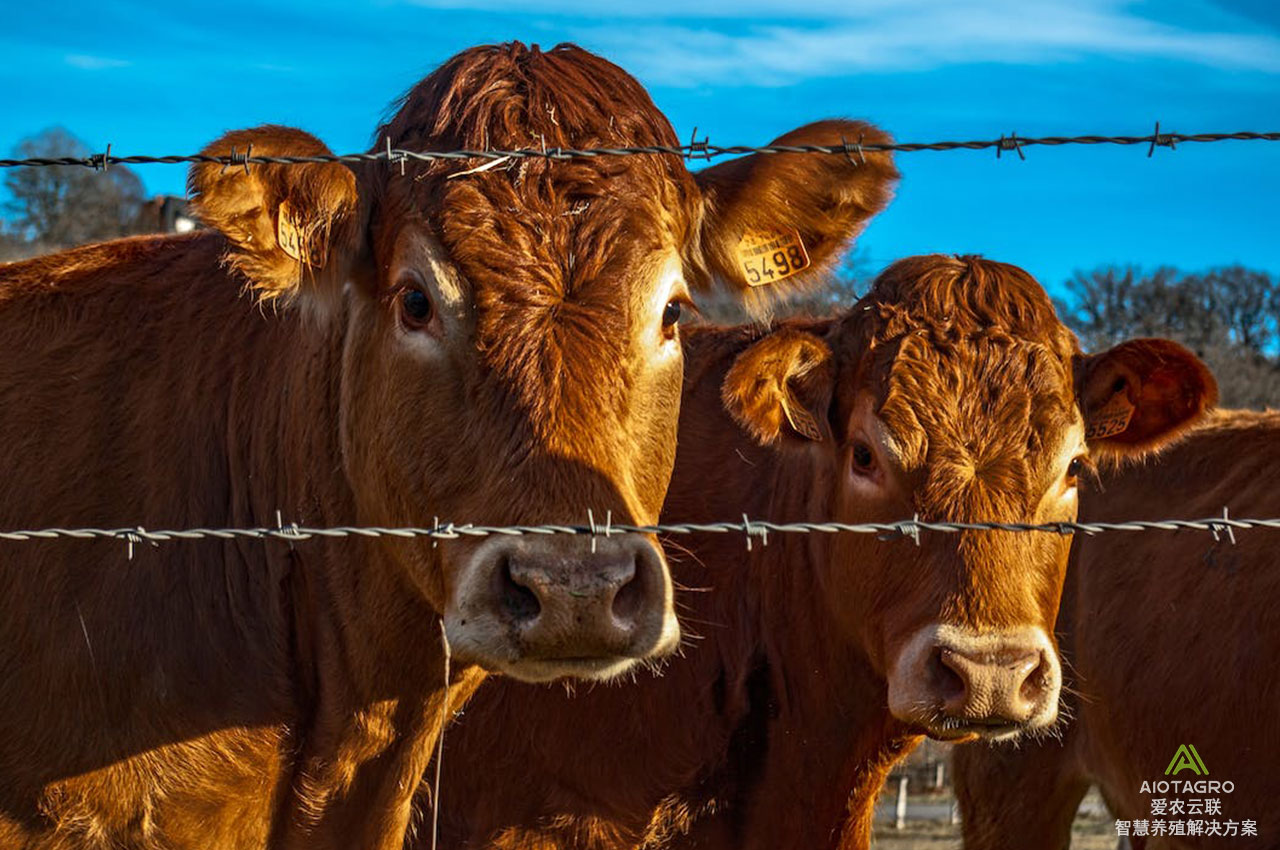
(951, 390)
(1172, 639)
(496, 346)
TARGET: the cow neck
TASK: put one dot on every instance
(810, 739)
(831, 740)
(368, 647)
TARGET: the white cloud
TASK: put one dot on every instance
(85, 62)
(694, 42)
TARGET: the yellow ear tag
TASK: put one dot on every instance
(294, 240)
(1113, 418)
(767, 256)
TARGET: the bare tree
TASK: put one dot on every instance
(1228, 316)
(62, 206)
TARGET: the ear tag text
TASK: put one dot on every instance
(767, 256)
(1113, 418)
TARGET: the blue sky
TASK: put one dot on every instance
(167, 78)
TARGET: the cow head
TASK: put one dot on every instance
(953, 392)
(509, 330)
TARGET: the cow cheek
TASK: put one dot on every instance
(849, 585)
(1052, 588)
(660, 423)
(399, 435)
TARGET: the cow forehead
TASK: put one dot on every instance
(981, 426)
(512, 96)
(984, 395)
(545, 238)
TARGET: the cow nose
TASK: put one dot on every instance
(955, 682)
(550, 607)
(600, 599)
(998, 687)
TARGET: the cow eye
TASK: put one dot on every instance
(671, 314)
(1075, 469)
(864, 461)
(415, 306)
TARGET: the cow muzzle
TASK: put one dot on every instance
(958, 684)
(539, 609)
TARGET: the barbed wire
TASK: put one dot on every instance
(752, 529)
(702, 150)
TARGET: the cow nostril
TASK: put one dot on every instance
(1034, 686)
(949, 681)
(629, 600)
(518, 600)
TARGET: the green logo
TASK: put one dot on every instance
(1186, 758)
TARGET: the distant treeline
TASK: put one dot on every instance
(49, 209)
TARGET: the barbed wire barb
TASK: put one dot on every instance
(696, 148)
(862, 157)
(1162, 141)
(1012, 143)
(1223, 527)
(103, 160)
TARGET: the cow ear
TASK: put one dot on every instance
(782, 386)
(1142, 394)
(286, 225)
(775, 222)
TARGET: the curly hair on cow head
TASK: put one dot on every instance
(971, 369)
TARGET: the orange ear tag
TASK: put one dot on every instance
(1113, 418)
(294, 241)
(767, 256)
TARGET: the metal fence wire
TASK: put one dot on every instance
(694, 150)
(1221, 527)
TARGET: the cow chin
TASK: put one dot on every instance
(493, 648)
(539, 609)
(543, 670)
(955, 683)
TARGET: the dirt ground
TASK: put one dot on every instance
(1091, 832)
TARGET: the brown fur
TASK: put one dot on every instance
(772, 730)
(243, 695)
(1172, 640)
